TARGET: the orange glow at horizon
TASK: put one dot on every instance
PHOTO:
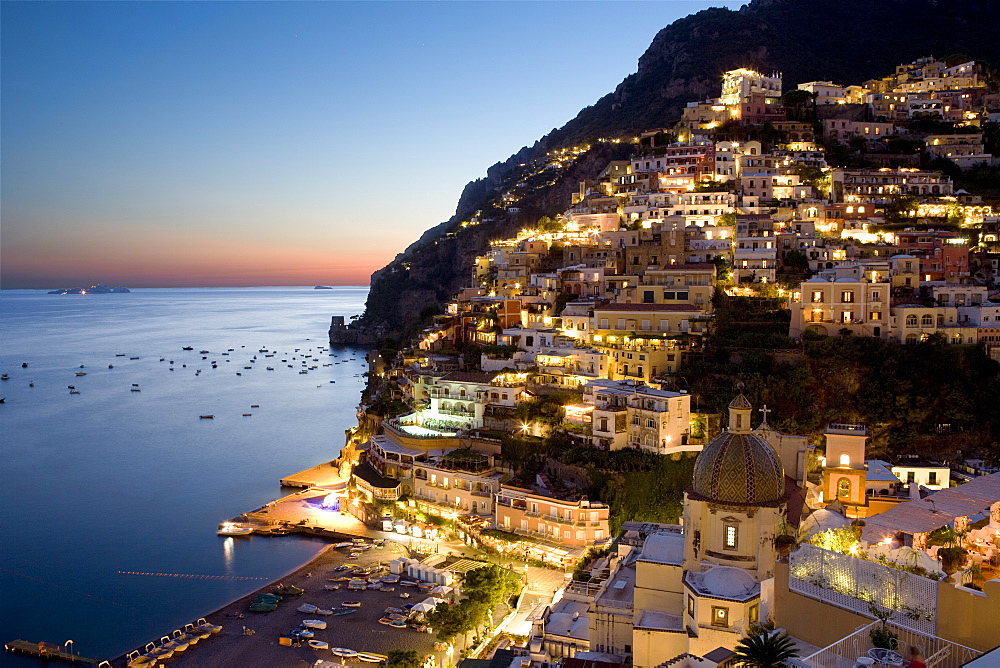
(189, 261)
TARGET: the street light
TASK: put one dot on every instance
(69, 645)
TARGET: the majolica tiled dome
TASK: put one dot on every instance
(739, 468)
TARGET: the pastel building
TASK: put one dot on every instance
(577, 522)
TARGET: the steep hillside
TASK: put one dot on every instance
(847, 41)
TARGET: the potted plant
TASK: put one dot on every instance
(952, 559)
(784, 544)
(880, 635)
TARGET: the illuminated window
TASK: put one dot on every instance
(691, 605)
(845, 459)
(844, 488)
(730, 539)
(817, 296)
(720, 616)
(753, 615)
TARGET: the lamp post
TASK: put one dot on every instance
(69, 647)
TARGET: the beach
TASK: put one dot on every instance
(359, 631)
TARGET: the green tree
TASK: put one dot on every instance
(403, 659)
(449, 620)
(767, 650)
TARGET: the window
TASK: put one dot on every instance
(932, 478)
(650, 423)
(911, 320)
(845, 459)
(927, 320)
(911, 476)
(690, 605)
(720, 616)
(817, 296)
(647, 297)
(844, 488)
(876, 315)
(753, 615)
(603, 424)
(847, 296)
(876, 296)
(730, 536)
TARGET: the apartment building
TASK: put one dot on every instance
(824, 305)
(533, 513)
(634, 415)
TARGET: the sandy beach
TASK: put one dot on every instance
(359, 631)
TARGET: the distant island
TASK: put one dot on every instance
(322, 287)
(93, 289)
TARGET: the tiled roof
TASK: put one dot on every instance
(739, 468)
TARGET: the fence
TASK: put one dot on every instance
(854, 584)
(939, 653)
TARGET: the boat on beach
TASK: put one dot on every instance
(344, 652)
(307, 608)
(314, 623)
(371, 657)
(318, 644)
(351, 604)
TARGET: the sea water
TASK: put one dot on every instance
(104, 483)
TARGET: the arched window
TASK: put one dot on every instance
(957, 338)
(461, 392)
(911, 320)
(927, 320)
(844, 488)
(911, 339)
(845, 459)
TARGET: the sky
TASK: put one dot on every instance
(159, 144)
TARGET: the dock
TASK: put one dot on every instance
(48, 650)
(327, 474)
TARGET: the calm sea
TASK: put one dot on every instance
(112, 480)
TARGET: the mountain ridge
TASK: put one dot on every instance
(843, 41)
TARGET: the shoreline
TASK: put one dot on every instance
(360, 631)
(222, 611)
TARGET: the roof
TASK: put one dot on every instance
(680, 308)
(658, 621)
(373, 477)
(879, 471)
(389, 445)
(723, 582)
(936, 510)
(739, 468)
(479, 377)
(663, 548)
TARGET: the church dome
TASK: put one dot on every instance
(739, 468)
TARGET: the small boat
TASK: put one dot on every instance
(323, 612)
(205, 624)
(405, 594)
(351, 604)
(254, 405)
(140, 660)
(340, 612)
(318, 644)
(119, 354)
(386, 589)
(74, 391)
(202, 352)
(24, 365)
(372, 658)
(308, 608)
(158, 653)
(289, 590)
(385, 620)
(393, 611)
(230, 529)
(331, 587)
(135, 389)
(344, 652)
(408, 583)
(390, 579)
(397, 624)
(340, 569)
(338, 545)
(111, 366)
(206, 417)
(173, 645)
(303, 633)
(314, 623)
(133, 358)
(193, 630)
(79, 373)
(247, 414)
(187, 348)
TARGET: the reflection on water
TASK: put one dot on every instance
(112, 481)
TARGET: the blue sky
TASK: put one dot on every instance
(246, 143)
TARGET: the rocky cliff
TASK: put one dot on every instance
(847, 41)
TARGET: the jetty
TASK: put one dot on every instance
(321, 475)
(48, 650)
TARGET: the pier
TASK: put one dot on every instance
(326, 474)
(48, 650)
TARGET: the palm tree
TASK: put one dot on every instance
(767, 650)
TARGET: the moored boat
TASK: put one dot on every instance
(344, 652)
(314, 623)
(205, 624)
(351, 604)
(307, 608)
(318, 644)
(231, 529)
